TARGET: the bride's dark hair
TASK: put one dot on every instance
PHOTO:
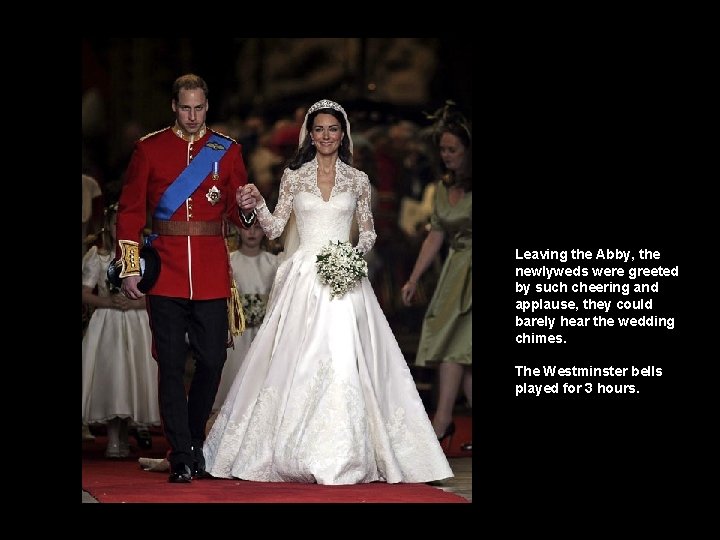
(306, 151)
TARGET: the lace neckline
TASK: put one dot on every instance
(342, 171)
(338, 164)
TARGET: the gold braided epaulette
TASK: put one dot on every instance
(153, 133)
(223, 135)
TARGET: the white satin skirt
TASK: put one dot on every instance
(324, 394)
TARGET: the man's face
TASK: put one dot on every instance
(190, 109)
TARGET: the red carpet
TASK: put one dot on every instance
(123, 480)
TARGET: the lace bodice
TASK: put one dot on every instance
(320, 221)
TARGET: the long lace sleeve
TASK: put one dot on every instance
(363, 213)
(274, 224)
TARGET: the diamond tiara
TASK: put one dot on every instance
(325, 104)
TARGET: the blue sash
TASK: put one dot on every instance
(193, 175)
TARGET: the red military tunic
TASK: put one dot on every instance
(194, 267)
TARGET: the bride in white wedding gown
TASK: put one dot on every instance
(324, 394)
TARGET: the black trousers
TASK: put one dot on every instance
(184, 416)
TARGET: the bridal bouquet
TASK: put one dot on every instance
(340, 266)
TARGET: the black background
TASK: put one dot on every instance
(581, 145)
(583, 148)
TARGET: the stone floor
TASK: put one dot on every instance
(461, 483)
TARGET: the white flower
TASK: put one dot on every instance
(254, 308)
(341, 267)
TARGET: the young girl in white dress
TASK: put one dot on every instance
(119, 374)
(254, 269)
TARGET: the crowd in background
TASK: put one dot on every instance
(397, 154)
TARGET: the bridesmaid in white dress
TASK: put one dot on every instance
(119, 375)
(254, 269)
(324, 394)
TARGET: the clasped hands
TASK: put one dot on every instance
(123, 302)
(248, 197)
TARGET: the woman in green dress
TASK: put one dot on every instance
(446, 332)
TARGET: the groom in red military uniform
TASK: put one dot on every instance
(186, 176)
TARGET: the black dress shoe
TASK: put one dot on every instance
(448, 432)
(198, 467)
(199, 472)
(180, 474)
